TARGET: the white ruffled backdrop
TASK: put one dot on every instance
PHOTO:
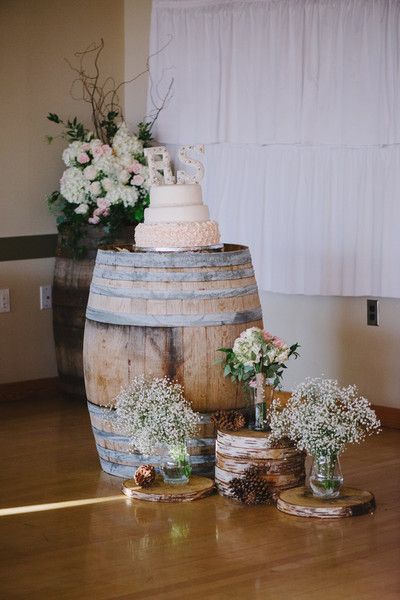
(298, 105)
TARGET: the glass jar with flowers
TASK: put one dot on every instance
(154, 414)
(321, 418)
(257, 359)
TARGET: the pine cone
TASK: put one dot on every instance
(251, 489)
(145, 475)
(283, 442)
(230, 421)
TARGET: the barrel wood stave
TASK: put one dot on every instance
(142, 321)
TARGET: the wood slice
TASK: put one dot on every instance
(300, 502)
(237, 450)
(197, 488)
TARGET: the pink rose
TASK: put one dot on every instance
(94, 220)
(83, 158)
(135, 167)
(85, 147)
(253, 383)
(138, 180)
(267, 336)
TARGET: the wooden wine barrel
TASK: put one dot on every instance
(116, 456)
(236, 451)
(167, 313)
(71, 285)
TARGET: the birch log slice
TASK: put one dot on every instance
(195, 489)
(301, 503)
(236, 451)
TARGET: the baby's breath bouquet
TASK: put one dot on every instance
(154, 413)
(322, 418)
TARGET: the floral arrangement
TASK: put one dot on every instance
(257, 352)
(321, 417)
(104, 184)
(154, 412)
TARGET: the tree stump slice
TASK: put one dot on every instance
(197, 488)
(237, 450)
(300, 502)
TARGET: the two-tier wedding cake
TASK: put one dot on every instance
(176, 217)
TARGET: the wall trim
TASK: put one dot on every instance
(20, 390)
(27, 247)
(388, 415)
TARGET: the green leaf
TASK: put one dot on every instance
(54, 118)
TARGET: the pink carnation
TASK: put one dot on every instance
(94, 220)
(107, 150)
(83, 158)
(278, 342)
(103, 204)
(97, 151)
(138, 180)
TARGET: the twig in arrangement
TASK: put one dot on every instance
(104, 97)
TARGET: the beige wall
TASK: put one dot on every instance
(332, 331)
(336, 341)
(36, 36)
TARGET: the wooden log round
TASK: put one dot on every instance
(236, 451)
(71, 285)
(196, 488)
(301, 503)
(116, 456)
(167, 313)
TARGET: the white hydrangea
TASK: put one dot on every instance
(106, 164)
(82, 209)
(152, 412)
(125, 144)
(70, 154)
(321, 417)
(127, 195)
(74, 186)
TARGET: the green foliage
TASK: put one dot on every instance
(109, 125)
(74, 130)
(144, 131)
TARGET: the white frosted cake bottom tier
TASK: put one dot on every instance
(177, 235)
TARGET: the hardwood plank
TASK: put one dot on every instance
(212, 549)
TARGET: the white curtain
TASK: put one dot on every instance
(298, 102)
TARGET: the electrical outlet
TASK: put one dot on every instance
(372, 312)
(45, 297)
(4, 300)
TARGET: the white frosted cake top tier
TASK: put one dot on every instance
(175, 195)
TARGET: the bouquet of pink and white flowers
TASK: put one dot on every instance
(257, 352)
(104, 184)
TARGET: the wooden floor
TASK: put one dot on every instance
(209, 549)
